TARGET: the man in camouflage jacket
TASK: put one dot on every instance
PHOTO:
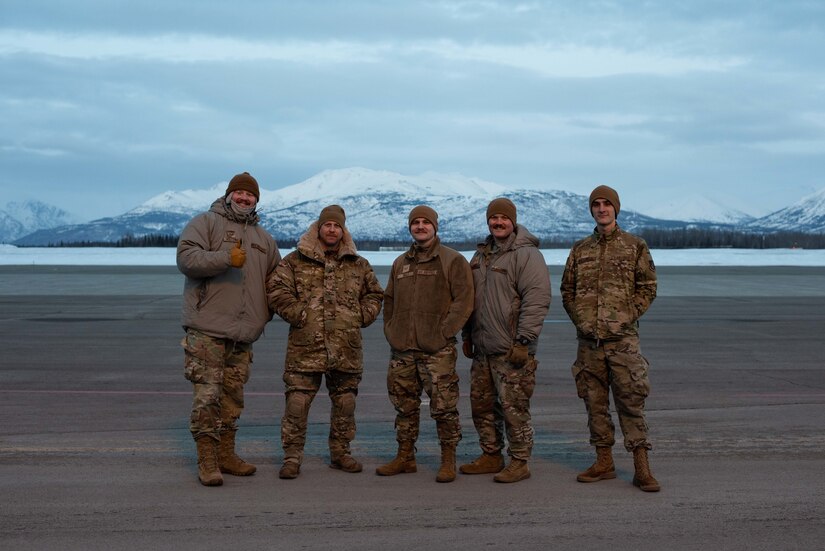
(428, 298)
(327, 293)
(512, 296)
(226, 257)
(609, 281)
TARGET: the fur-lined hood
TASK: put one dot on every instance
(310, 246)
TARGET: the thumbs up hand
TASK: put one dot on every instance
(237, 256)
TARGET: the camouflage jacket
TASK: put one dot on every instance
(429, 296)
(219, 300)
(512, 293)
(609, 281)
(326, 299)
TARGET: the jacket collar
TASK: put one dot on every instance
(219, 206)
(521, 237)
(606, 237)
(310, 246)
(429, 254)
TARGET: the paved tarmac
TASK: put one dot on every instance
(95, 452)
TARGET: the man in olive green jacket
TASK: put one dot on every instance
(226, 257)
(327, 293)
(428, 299)
(609, 281)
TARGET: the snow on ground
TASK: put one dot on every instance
(151, 256)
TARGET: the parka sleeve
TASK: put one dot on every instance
(194, 257)
(282, 294)
(462, 295)
(568, 286)
(388, 298)
(372, 295)
(533, 286)
(645, 284)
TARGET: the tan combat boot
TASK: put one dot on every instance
(404, 462)
(228, 461)
(346, 463)
(643, 478)
(446, 473)
(602, 469)
(486, 463)
(289, 470)
(515, 471)
(208, 472)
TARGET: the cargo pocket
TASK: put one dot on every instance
(402, 386)
(639, 382)
(579, 376)
(445, 397)
(203, 359)
(527, 377)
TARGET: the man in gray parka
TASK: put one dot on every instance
(512, 296)
(226, 257)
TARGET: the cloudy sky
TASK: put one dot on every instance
(105, 103)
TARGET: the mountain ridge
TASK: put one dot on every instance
(378, 202)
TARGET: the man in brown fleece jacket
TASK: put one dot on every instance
(428, 299)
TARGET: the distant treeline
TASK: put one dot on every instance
(152, 240)
(697, 238)
(684, 238)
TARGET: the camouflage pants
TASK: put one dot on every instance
(301, 389)
(500, 399)
(618, 366)
(409, 373)
(218, 370)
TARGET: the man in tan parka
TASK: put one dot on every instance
(327, 293)
(428, 299)
(226, 257)
(512, 296)
(609, 281)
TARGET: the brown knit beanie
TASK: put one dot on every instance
(246, 182)
(502, 205)
(332, 213)
(608, 193)
(423, 211)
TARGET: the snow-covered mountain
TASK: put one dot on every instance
(692, 207)
(18, 219)
(377, 204)
(806, 215)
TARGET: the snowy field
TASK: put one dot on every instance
(150, 256)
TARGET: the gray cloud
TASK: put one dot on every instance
(107, 103)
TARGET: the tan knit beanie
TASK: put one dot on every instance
(502, 205)
(423, 211)
(246, 182)
(608, 193)
(332, 213)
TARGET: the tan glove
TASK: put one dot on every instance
(237, 256)
(518, 355)
(468, 349)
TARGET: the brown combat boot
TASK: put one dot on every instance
(602, 469)
(404, 462)
(208, 472)
(446, 473)
(346, 463)
(486, 463)
(290, 470)
(228, 461)
(643, 478)
(515, 471)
